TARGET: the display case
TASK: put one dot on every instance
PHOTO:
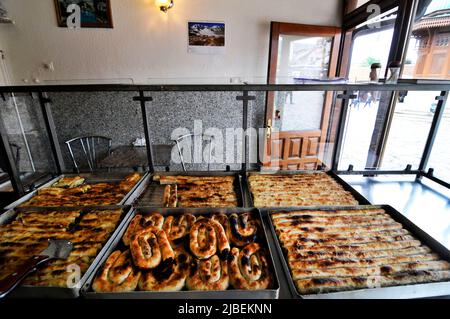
(235, 131)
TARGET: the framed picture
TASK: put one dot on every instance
(206, 37)
(94, 13)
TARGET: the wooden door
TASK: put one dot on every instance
(299, 51)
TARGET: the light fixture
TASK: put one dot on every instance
(164, 5)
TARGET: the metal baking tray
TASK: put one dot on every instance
(62, 292)
(150, 193)
(184, 294)
(89, 178)
(438, 289)
(249, 196)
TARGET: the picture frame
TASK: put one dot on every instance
(206, 37)
(94, 13)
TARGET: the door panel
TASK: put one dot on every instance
(300, 119)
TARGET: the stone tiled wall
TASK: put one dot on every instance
(116, 115)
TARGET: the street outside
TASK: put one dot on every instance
(407, 137)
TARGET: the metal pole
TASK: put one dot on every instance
(442, 100)
(245, 98)
(11, 168)
(341, 127)
(51, 132)
(143, 99)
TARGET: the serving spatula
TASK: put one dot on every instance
(57, 249)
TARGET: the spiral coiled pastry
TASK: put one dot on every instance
(140, 222)
(206, 236)
(209, 274)
(223, 220)
(249, 268)
(243, 229)
(177, 227)
(170, 277)
(118, 274)
(150, 247)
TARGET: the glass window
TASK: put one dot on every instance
(409, 130)
(440, 154)
(428, 54)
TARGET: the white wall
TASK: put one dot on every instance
(145, 43)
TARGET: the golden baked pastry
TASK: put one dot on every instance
(243, 229)
(249, 268)
(206, 237)
(140, 222)
(150, 247)
(340, 250)
(170, 277)
(177, 227)
(198, 191)
(209, 274)
(117, 275)
(28, 235)
(308, 189)
(70, 192)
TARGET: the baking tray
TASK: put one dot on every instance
(273, 293)
(62, 292)
(438, 289)
(249, 197)
(150, 193)
(89, 178)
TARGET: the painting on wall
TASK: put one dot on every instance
(206, 37)
(93, 13)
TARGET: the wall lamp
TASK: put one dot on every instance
(164, 5)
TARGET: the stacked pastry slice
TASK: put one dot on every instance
(339, 250)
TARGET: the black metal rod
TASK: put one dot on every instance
(378, 172)
(9, 161)
(439, 113)
(143, 101)
(341, 128)
(436, 180)
(245, 98)
(406, 85)
(51, 132)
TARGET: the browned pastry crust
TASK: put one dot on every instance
(28, 235)
(338, 250)
(206, 236)
(249, 268)
(177, 227)
(209, 274)
(77, 194)
(170, 277)
(317, 189)
(150, 247)
(139, 222)
(117, 275)
(333, 284)
(243, 229)
(198, 191)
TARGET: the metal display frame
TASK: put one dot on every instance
(344, 92)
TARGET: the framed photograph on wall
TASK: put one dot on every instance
(206, 37)
(94, 13)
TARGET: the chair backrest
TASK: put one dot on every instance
(205, 138)
(91, 148)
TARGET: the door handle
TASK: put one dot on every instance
(268, 131)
